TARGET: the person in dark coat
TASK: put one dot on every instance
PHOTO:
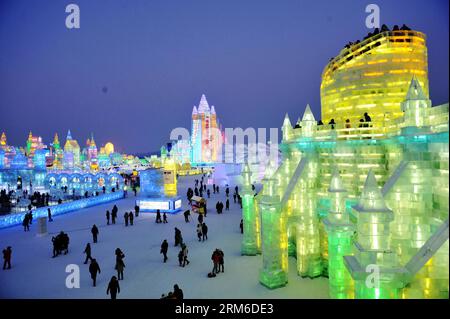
(49, 215)
(241, 226)
(177, 293)
(7, 257)
(55, 242)
(87, 251)
(94, 231)
(136, 210)
(120, 265)
(164, 249)
(26, 223)
(114, 214)
(199, 232)
(30, 214)
(107, 217)
(234, 197)
(125, 216)
(178, 237)
(94, 268)
(158, 216)
(227, 205)
(130, 215)
(186, 215)
(113, 287)
(215, 259)
(208, 193)
(204, 232)
(221, 260)
(200, 218)
(227, 192)
(180, 257)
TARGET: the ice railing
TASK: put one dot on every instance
(368, 44)
(437, 118)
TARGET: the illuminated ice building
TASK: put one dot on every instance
(71, 152)
(365, 204)
(206, 136)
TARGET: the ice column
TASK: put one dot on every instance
(340, 233)
(251, 240)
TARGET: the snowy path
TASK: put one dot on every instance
(36, 275)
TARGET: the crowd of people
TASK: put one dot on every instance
(61, 241)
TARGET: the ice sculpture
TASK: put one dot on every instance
(251, 241)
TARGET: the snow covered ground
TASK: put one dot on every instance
(35, 274)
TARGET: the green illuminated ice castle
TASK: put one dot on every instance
(362, 202)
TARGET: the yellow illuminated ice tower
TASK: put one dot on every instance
(373, 75)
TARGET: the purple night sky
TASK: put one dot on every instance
(255, 60)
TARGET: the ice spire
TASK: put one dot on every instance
(92, 139)
(213, 110)
(286, 128)
(308, 115)
(3, 139)
(336, 185)
(203, 106)
(194, 111)
(246, 174)
(287, 121)
(371, 199)
(69, 135)
(415, 91)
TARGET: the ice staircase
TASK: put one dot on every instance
(431, 246)
(290, 187)
(394, 177)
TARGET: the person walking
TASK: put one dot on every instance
(215, 259)
(200, 218)
(227, 205)
(165, 218)
(49, 215)
(199, 232)
(178, 237)
(185, 255)
(204, 231)
(164, 249)
(120, 265)
(221, 260)
(26, 223)
(180, 257)
(94, 232)
(125, 216)
(87, 251)
(186, 215)
(234, 198)
(94, 269)
(158, 216)
(130, 215)
(208, 193)
(113, 287)
(136, 210)
(107, 217)
(114, 214)
(7, 258)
